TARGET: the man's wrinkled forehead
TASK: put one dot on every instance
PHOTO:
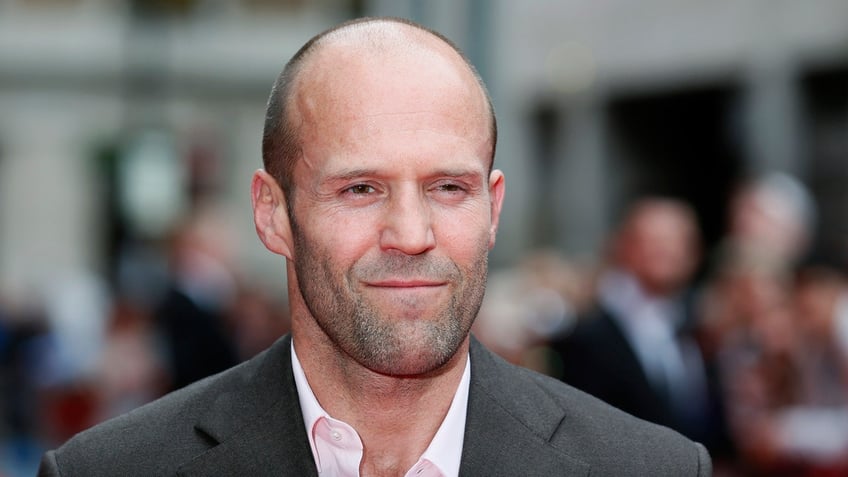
(363, 47)
(353, 69)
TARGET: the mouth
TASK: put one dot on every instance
(408, 298)
(406, 283)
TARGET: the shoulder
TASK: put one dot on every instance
(157, 438)
(595, 323)
(596, 336)
(579, 426)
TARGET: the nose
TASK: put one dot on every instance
(408, 224)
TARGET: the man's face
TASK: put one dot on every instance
(394, 211)
(661, 249)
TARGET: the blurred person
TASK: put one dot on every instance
(527, 305)
(747, 324)
(380, 193)
(24, 330)
(815, 427)
(193, 313)
(131, 371)
(769, 225)
(786, 374)
(743, 289)
(818, 292)
(840, 321)
(76, 308)
(8, 398)
(773, 212)
(257, 322)
(61, 362)
(636, 348)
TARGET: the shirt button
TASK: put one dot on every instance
(337, 436)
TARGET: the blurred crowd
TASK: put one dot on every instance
(91, 348)
(742, 345)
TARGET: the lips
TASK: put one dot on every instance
(406, 283)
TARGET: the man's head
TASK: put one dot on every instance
(281, 140)
(774, 214)
(384, 200)
(658, 243)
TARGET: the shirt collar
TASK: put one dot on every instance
(622, 294)
(309, 407)
(444, 451)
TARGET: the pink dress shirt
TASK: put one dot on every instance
(337, 448)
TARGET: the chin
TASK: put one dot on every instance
(414, 363)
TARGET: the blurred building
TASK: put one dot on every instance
(116, 117)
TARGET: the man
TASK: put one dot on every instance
(636, 349)
(379, 190)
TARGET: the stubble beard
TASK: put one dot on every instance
(389, 345)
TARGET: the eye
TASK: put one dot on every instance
(450, 187)
(360, 189)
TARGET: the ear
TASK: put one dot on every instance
(270, 214)
(496, 195)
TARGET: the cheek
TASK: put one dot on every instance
(343, 236)
(464, 237)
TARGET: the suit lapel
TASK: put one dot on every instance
(510, 422)
(621, 352)
(257, 430)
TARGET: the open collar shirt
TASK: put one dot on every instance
(650, 324)
(337, 447)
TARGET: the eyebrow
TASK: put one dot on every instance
(458, 172)
(351, 174)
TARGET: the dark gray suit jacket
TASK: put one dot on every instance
(247, 422)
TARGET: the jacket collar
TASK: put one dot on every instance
(510, 423)
(258, 427)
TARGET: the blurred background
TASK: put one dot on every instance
(129, 266)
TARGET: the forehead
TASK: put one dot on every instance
(415, 144)
(353, 82)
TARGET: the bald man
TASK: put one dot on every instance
(636, 348)
(379, 191)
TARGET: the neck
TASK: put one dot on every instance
(395, 416)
